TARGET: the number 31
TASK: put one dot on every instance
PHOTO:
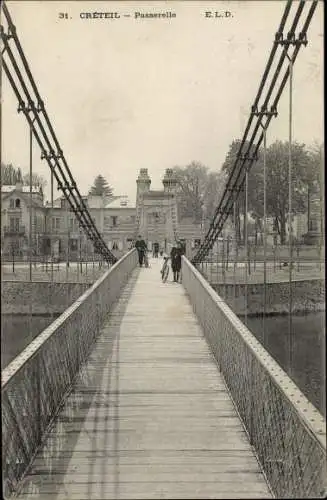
(63, 15)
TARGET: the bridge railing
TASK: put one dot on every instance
(288, 434)
(34, 384)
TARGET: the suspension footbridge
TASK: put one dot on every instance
(143, 389)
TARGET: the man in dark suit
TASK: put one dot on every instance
(176, 260)
(140, 246)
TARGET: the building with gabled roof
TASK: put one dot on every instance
(55, 228)
(22, 209)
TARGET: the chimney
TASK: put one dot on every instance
(169, 181)
(143, 181)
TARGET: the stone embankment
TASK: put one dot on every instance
(307, 296)
(39, 298)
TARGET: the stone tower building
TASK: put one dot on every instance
(156, 210)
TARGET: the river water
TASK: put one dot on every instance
(18, 330)
(308, 356)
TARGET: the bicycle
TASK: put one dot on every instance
(165, 270)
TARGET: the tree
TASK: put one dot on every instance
(191, 187)
(314, 179)
(214, 189)
(8, 174)
(198, 191)
(37, 180)
(255, 198)
(277, 192)
(101, 187)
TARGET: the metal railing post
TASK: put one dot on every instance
(223, 268)
(235, 255)
(246, 247)
(264, 234)
(93, 268)
(67, 248)
(31, 203)
(217, 264)
(290, 235)
(51, 239)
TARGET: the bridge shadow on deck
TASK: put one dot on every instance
(97, 385)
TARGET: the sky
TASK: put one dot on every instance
(124, 94)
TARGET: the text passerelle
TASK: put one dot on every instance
(135, 15)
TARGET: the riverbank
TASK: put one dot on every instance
(18, 331)
(307, 296)
(42, 298)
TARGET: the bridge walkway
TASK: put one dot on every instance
(149, 415)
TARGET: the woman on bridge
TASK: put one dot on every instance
(176, 260)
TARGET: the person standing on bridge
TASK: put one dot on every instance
(140, 246)
(155, 250)
(176, 260)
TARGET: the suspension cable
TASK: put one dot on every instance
(244, 162)
(49, 145)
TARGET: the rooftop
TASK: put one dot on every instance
(24, 189)
(120, 202)
(157, 194)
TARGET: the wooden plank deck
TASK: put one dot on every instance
(149, 416)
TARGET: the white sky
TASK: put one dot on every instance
(127, 94)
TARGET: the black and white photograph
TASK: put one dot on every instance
(162, 249)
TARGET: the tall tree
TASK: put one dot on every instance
(314, 180)
(37, 180)
(255, 200)
(8, 174)
(215, 183)
(191, 187)
(199, 191)
(101, 187)
(277, 191)
(277, 159)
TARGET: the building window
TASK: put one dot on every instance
(73, 226)
(73, 245)
(14, 224)
(55, 223)
(313, 225)
(114, 220)
(46, 246)
(17, 203)
(115, 245)
(12, 204)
